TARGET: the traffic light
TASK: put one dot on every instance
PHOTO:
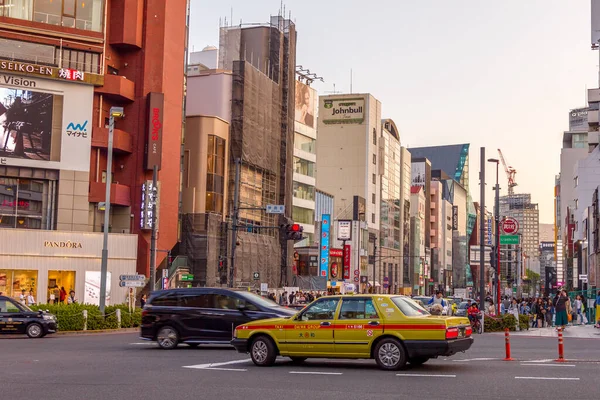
(292, 231)
(493, 257)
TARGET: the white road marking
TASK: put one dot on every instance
(539, 361)
(477, 359)
(429, 375)
(545, 378)
(315, 373)
(549, 365)
(226, 369)
(214, 365)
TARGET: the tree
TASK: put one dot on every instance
(533, 279)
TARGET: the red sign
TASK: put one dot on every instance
(347, 262)
(510, 226)
(155, 130)
(336, 253)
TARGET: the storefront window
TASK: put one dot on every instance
(23, 203)
(56, 281)
(14, 281)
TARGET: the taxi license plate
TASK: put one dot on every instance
(461, 332)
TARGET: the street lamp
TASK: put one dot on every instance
(497, 241)
(115, 112)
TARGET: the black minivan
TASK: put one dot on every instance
(203, 315)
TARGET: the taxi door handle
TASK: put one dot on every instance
(325, 323)
(374, 323)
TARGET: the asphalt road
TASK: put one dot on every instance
(120, 366)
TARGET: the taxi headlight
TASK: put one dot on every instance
(48, 317)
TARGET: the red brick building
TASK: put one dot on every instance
(63, 65)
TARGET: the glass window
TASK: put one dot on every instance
(304, 191)
(304, 167)
(303, 215)
(305, 143)
(374, 159)
(409, 307)
(322, 309)
(358, 309)
(197, 301)
(165, 300)
(24, 51)
(23, 203)
(7, 306)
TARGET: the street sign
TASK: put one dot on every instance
(275, 209)
(264, 287)
(132, 283)
(510, 226)
(344, 229)
(132, 278)
(509, 239)
(583, 277)
(256, 276)
(187, 277)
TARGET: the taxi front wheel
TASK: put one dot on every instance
(263, 352)
(390, 354)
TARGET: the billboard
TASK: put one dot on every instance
(324, 245)
(578, 120)
(595, 23)
(417, 172)
(305, 105)
(26, 118)
(91, 293)
(343, 111)
(155, 132)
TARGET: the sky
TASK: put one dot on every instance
(501, 74)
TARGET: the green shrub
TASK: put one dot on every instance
(70, 316)
(499, 324)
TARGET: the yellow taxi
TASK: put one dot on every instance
(391, 329)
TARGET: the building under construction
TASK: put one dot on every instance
(250, 95)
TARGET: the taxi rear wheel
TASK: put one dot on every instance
(390, 354)
(35, 331)
(263, 352)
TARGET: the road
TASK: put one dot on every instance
(120, 366)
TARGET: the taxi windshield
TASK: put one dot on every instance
(409, 307)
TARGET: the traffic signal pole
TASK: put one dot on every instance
(482, 233)
(497, 219)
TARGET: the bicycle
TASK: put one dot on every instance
(476, 324)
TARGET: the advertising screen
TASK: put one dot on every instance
(26, 124)
(305, 105)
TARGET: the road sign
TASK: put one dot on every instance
(344, 229)
(132, 283)
(509, 239)
(356, 279)
(132, 278)
(275, 209)
(264, 287)
(187, 277)
(256, 276)
(510, 226)
(583, 277)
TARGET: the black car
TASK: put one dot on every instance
(16, 318)
(203, 315)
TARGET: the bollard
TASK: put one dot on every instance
(118, 313)
(561, 348)
(85, 318)
(507, 345)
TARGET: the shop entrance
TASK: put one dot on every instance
(58, 280)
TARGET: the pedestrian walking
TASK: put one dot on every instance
(540, 313)
(549, 313)
(143, 300)
(23, 297)
(30, 299)
(560, 305)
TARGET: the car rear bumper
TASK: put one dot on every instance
(240, 345)
(436, 348)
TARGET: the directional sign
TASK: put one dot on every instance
(132, 283)
(509, 239)
(583, 277)
(187, 277)
(256, 276)
(510, 226)
(132, 278)
(275, 209)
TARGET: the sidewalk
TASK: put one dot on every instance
(574, 331)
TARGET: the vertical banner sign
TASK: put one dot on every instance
(149, 195)
(325, 232)
(454, 218)
(489, 231)
(347, 252)
(155, 130)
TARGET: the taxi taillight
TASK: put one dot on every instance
(468, 331)
(452, 333)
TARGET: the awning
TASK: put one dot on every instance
(376, 284)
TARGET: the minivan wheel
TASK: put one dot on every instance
(263, 352)
(167, 338)
(35, 331)
(390, 354)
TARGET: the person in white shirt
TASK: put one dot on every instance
(23, 297)
(30, 299)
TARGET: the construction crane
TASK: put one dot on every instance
(510, 174)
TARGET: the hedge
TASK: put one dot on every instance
(499, 324)
(70, 316)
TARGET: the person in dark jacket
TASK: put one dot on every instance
(560, 307)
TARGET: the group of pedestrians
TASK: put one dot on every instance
(298, 297)
(558, 311)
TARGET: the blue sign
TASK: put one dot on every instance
(325, 233)
(489, 232)
(77, 129)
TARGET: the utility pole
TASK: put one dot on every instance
(482, 232)
(154, 194)
(497, 238)
(234, 220)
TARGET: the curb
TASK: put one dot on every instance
(97, 332)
